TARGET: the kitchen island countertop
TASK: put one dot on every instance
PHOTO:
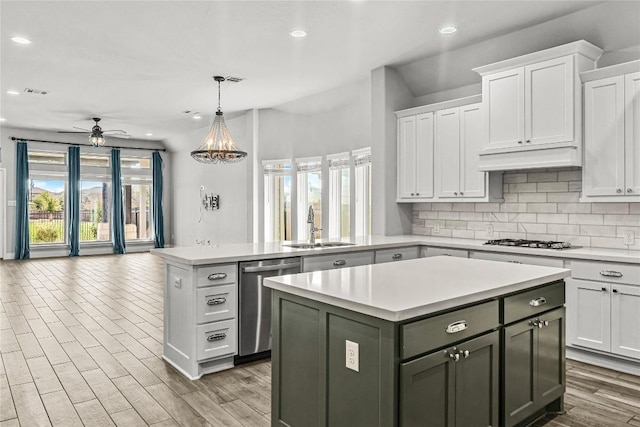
(401, 291)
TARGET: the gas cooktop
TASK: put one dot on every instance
(545, 244)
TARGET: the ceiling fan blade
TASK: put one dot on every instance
(114, 131)
(72, 131)
(121, 136)
(82, 129)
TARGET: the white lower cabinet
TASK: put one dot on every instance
(603, 307)
(518, 259)
(429, 251)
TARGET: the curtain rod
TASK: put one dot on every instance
(13, 138)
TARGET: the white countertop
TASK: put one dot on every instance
(201, 255)
(404, 290)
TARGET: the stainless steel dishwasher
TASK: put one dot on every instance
(255, 303)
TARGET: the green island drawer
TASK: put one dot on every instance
(533, 302)
(445, 329)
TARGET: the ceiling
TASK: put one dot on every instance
(140, 64)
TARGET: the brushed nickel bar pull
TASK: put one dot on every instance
(217, 276)
(610, 273)
(216, 337)
(458, 326)
(537, 302)
(339, 262)
(217, 301)
(396, 256)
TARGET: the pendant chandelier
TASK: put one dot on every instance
(218, 147)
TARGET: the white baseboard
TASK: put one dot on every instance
(9, 255)
(605, 361)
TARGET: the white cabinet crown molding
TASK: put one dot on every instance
(459, 102)
(614, 70)
(580, 47)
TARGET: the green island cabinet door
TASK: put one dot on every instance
(534, 361)
(457, 386)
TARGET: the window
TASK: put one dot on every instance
(95, 198)
(339, 195)
(309, 186)
(277, 200)
(47, 191)
(362, 160)
(136, 197)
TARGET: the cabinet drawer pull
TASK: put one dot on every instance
(454, 356)
(217, 276)
(396, 256)
(216, 337)
(629, 190)
(216, 301)
(519, 142)
(610, 273)
(537, 302)
(515, 262)
(458, 326)
(339, 262)
(618, 191)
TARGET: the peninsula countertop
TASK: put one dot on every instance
(234, 252)
(404, 290)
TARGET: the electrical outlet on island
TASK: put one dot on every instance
(629, 237)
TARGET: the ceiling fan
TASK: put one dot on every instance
(96, 134)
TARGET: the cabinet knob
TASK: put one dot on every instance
(519, 142)
(546, 323)
(413, 194)
(417, 194)
(455, 194)
(465, 353)
(618, 191)
(528, 141)
(615, 291)
(629, 190)
(604, 289)
(454, 356)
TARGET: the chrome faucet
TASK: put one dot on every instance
(312, 227)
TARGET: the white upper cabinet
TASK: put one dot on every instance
(533, 108)
(415, 157)
(611, 169)
(438, 148)
(457, 144)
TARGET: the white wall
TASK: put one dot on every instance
(231, 223)
(8, 161)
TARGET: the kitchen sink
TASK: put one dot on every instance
(317, 245)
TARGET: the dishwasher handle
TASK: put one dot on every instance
(275, 267)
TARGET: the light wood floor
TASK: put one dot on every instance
(81, 340)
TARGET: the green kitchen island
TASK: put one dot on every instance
(431, 342)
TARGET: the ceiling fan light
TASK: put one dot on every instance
(96, 140)
(218, 146)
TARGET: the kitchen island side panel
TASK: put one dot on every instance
(311, 384)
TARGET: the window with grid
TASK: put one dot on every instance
(95, 198)
(137, 185)
(277, 200)
(362, 162)
(47, 197)
(339, 195)
(309, 188)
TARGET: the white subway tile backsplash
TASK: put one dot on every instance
(553, 218)
(591, 219)
(598, 230)
(448, 215)
(563, 197)
(543, 205)
(525, 227)
(553, 187)
(532, 197)
(574, 207)
(571, 229)
(610, 208)
(523, 217)
(528, 187)
(632, 220)
(471, 216)
(542, 177)
(573, 175)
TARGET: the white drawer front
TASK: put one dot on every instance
(605, 272)
(220, 274)
(333, 261)
(216, 303)
(519, 259)
(216, 339)
(396, 254)
(428, 252)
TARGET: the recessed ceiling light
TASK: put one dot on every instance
(13, 92)
(149, 134)
(448, 29)
(196, 117)
(298, 33)
(21, 40)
